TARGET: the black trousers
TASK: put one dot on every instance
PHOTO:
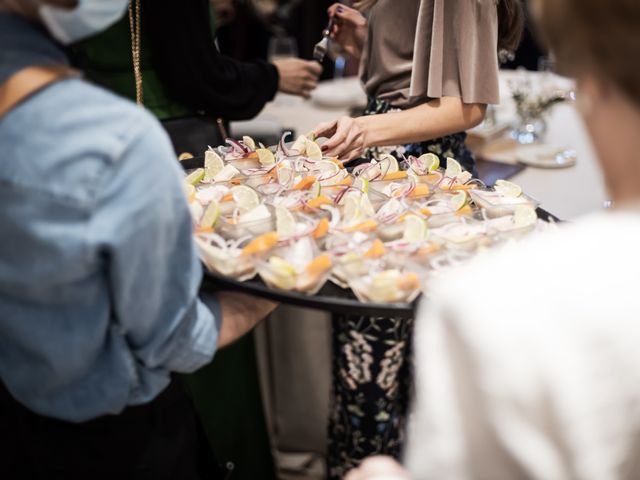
(162, 440)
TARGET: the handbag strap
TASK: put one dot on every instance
(27, 82)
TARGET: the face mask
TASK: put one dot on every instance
(88, 18)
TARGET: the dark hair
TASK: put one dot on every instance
(594, 37)
(510, 24)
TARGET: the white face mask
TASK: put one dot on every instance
(88, 18)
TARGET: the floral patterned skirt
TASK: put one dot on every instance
(372, 371)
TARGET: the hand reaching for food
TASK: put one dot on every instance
(347, 138)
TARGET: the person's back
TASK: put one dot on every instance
(543, 380)
(99, 275)
(92, 203)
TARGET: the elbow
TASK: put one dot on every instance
(474, 115)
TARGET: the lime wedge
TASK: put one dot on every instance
(316, 190)
(508, 189)
(325, 166)
(265, 156)
(352, 210)
(415, 229)
(285, 175)
(249, 142)
(454, 168)
(458, 201)
(211, 215)
(246, 198)
(284, 274)
(430, 161)
(213, 165)
(388, 164)
(194, 177)
(300, 145)
(285, 222)
(365, 206)
(313, 150)
(362, 184)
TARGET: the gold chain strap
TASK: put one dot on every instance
(136, 41)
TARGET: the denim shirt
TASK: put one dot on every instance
(99, 275)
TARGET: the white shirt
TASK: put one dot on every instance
(528, 360)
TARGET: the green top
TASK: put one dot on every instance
(107, 60)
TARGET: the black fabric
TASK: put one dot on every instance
(193, 134)
(161, 440)
(193, 70)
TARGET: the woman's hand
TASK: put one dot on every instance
(297, 76)
(378, 467)
(347, 138)
(349, 28)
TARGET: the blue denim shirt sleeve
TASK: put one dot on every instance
(141, 225)
(99, 275)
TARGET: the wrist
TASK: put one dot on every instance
(363, 124)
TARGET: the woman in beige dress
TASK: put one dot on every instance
(537, 376)
(429, 67)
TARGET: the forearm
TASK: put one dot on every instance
(240, 313)
(434, 119)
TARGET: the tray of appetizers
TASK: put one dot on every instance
(292, 225)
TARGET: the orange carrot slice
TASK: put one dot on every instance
(366, 226)
(261, 244)
(421, 190)
(408, 281)
(305, 183)
(426, 212)
(319, 266)
(377, 250)
(322, 229)
(395, 176)
(319, 201)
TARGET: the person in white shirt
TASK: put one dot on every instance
(534, 372)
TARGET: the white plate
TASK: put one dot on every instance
(546, 156)
(343, 93)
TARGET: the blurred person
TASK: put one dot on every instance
(179, 75)
(224, 11)
(527, 358)
(99, 274)
(429, 67)
(177, 72)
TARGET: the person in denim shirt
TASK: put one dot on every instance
(99, 277)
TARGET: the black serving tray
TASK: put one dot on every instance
(331, 298)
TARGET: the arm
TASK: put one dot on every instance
(198, 75)
(350, 136)
(154, 270)
(240, 313)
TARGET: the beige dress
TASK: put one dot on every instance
(422, 49)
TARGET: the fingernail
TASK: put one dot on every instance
(339, 9)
